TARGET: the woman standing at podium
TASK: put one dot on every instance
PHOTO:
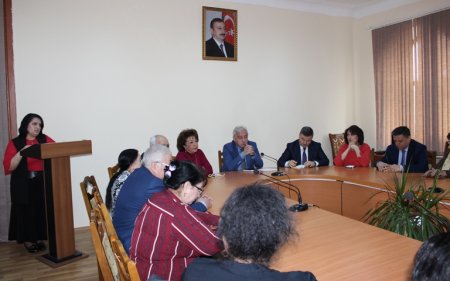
(27, 221)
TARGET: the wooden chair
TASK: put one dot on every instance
(112, 170)
(91, 193)
(220, 157)
(431, 158)
(127, 268)
(376, 156)
(107, 267)
(110, 229)
(336, 140)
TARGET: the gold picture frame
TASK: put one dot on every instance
(219, 34)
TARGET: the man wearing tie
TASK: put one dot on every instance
(216, 46)
(303, 151)
(241, 154)
(404, 154)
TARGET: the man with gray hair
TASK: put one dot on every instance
(241, 154)
(139, 186)
(159, 139)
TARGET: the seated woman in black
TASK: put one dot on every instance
(251, 235)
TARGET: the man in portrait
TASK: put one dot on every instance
(216, 46)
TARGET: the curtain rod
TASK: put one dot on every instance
(408, 19)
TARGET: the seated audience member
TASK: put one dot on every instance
(432, 262)
(128, 161)
(354, 151)
(139, 186)
(241, 154)
(187, 144)
(443, 167)
(168, 233)
(404, 154)
(251, 235)
(303, 151)
(159, 139)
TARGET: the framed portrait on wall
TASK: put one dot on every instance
(219, 31)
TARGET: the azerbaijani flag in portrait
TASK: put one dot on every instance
(229, 19)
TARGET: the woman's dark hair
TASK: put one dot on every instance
(125, 160)
(23, 129)
(448, 136)
(255, 222)
(354, 130)
(183, 136)
(432, 262)
(179, 172)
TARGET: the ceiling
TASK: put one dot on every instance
(342, 8)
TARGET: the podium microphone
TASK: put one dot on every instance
(278, 172)
(296, 207)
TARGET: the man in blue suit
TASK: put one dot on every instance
(241, 154)
(303, 151)
(404, 154)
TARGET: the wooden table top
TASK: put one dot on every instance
(364, 176)
(331, 246)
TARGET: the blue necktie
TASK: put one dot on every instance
(304, 156)
(403, 157)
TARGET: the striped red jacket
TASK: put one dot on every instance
(168, 235)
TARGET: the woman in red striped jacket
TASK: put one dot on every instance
(169, 234)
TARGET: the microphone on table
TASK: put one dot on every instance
(296, 207)
(278, 172)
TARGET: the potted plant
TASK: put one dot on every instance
(411, 209)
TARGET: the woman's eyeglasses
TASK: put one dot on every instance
(200, 189)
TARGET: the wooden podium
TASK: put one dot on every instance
(58, 198)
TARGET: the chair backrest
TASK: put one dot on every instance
(91, 193)
(107, 266)
(127, 268)
(376, 156)
(431, 158)
(220, 157)
(336, 140)
(110, 229)
(112, 170)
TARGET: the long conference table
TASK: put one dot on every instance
(332, 242)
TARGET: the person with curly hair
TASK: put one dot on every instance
(254, 223)
(432, 261)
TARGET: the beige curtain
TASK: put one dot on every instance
(433, 44)
(411, 65)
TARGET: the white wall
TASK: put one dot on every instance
(116, 72)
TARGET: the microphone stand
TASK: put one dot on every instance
(296, 207)
(278, 172)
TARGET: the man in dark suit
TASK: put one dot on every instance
(303, 151)
(404, 154)
(216, 46)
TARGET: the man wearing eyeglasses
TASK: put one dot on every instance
(138, 188)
